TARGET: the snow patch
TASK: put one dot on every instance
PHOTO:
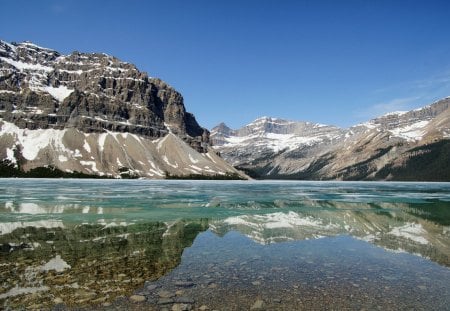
(92, 164)
(78, 72)
(160, 142)
(86, 146)
(411, 132)
(35, 46)
(395, 113)
(10, 156)
(167, 161)
(195, 168)
(211, 158)
(60, 93)
(191, 158)
(26, 66)
(101, 141)
(33, 141)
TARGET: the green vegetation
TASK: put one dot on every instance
(437, 212)
(426, 163)
(8, 170)
(359, 171)
(311, 173)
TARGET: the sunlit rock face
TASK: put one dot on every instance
(408, 145)
(94, 114)
(87, 264)
(91, 92)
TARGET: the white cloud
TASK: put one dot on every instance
(406, 96)
(396, 104)
(392, 105)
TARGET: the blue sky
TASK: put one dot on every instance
(332, 62)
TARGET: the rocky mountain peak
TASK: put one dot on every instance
(93, 114)
(221, 129)
(92, 92)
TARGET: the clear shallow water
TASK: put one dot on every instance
(285, 245)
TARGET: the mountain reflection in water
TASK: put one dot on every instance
(398, 227)
(289, 245)
(88, 264)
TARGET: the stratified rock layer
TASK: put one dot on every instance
(40, 89)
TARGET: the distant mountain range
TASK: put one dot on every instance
(412, 145)
(92, 114)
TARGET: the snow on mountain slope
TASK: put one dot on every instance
(270, 136)
(105, 154)
(276, 148)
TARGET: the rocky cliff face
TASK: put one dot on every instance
(40, 89)
(410, 145)
(65, 108)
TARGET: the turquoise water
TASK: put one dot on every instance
(131, 200)
(285, 245)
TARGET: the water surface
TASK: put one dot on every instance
(229, 245)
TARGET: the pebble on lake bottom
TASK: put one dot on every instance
(137, 298)
(258, 305)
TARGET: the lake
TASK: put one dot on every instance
(224, 245)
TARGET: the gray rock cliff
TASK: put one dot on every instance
(94, 114)
(40, 89)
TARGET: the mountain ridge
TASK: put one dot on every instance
(277, 148)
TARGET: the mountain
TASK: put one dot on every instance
(413, 145)
(94, 114)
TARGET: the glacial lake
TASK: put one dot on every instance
(224, 245)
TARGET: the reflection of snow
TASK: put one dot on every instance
(31, 208)
(277, 220)
(411, 231)
(35, 209)
(16, 291)
(58, 264)
(277, 227)
(8, 227)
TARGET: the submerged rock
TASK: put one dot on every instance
(258, 305)
(137, 298)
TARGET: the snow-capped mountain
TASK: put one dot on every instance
(94, 114)
(270, 136)
(411, 145)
